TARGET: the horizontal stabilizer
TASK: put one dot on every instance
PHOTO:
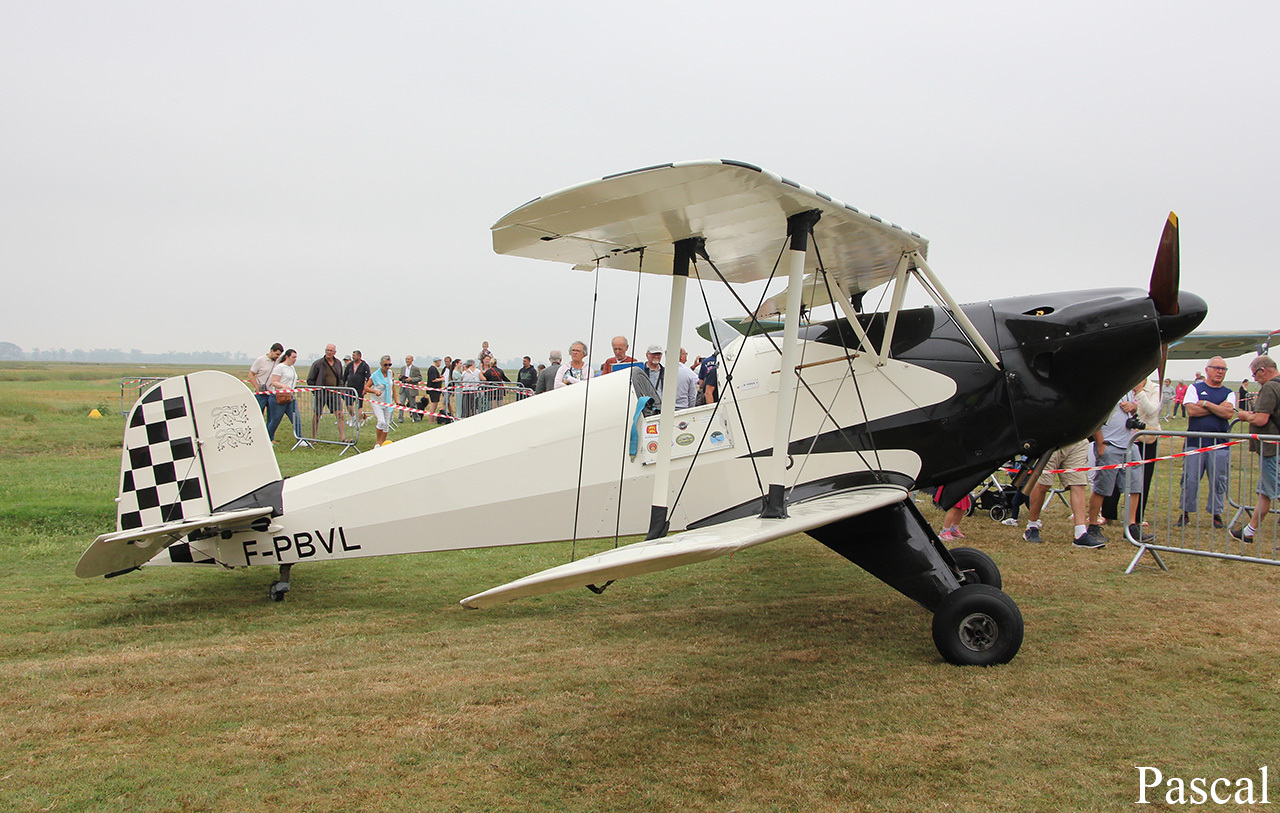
(691, 546)
(126, 550)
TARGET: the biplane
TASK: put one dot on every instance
(823, 427)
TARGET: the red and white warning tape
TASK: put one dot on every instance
(1186, 453)
(347, 395)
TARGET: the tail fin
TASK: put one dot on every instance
(195, 446)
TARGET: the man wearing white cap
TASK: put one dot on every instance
(646, 380)
(653, 366)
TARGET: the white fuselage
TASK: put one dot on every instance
(558, 466)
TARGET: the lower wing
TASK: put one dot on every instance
(691, 546)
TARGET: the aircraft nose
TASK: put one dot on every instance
(1191, 312)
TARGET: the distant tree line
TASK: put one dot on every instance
(12, 352)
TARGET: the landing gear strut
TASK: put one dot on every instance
(974, 623)
(280, 587)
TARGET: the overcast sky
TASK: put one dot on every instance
(220, 176)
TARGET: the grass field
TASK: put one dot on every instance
(781, 679)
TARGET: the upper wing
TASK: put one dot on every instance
(691, 546)
(1205, 344)
(740, 210)
(123, 551)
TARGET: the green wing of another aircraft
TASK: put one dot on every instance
(1206, 344)
(743, 325)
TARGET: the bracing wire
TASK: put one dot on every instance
(862, 405)
(622, 465)
(586, 401)
(727, 382)
(716, 409)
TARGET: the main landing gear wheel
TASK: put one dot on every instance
(976, 567)
(977, 625)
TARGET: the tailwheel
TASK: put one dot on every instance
(280, 586)
(977, 625)
(976, 567)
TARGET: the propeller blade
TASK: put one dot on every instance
(1164, 361)
(1164, 276)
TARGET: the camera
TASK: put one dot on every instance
(1132, 422)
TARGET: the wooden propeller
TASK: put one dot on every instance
(1164, 280)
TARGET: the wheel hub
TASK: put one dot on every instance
(978, 632)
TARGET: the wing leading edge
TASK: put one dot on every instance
(690, 546)
(740, 210)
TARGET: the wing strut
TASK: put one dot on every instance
(799, 227)
(911, 264)
(851, 316)
(684, 253)
(959, 315)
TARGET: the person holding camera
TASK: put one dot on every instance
(1210, 407)
(1149, 397)
(1264, 421)
(1111, 443)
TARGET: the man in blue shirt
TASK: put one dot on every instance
(1210, 407)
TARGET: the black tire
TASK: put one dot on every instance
(976, 567)
(999, 512)
(977, 625)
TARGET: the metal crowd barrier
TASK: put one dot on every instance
(473, 399)
(423, 406)
(327, 415)
(1170, 494)
(131, 390)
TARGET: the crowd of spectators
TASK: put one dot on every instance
(450, 388)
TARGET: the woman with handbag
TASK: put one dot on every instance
(284, 379)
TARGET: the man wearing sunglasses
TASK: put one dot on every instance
(1210, 408)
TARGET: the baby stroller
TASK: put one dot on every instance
(996, 499)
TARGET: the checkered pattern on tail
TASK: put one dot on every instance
(160, 475)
